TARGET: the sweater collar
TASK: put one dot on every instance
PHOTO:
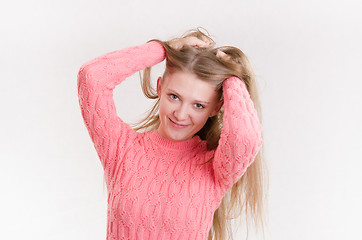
(183, 145)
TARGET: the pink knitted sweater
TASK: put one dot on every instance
(157, 188)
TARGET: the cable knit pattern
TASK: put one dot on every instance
(157, 188)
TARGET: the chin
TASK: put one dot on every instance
(176, 133)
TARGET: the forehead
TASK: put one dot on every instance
(190, 86)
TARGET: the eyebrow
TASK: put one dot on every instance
(198, 101)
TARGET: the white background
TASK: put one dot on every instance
(307, 57)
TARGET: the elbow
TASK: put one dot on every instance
(85, 76)
(258, 139)
(82, 73)
(258, 142)
(258, 134)
(253, 141)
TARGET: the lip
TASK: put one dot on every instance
(176, 125)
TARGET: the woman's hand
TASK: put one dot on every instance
(178, 43)
(220, 54)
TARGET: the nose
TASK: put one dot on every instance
(181, 113)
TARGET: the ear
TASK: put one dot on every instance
(159, 87)
(217, 108)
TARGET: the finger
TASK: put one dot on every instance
(208, 41)
(196, 42)
(222, 55)
(176, 43)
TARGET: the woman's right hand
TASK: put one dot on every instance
(193, 41)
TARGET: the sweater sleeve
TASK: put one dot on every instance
(240, 137)
(96, 81)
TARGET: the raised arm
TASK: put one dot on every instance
(240, 137)
(96, 81)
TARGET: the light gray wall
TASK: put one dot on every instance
(307, 57)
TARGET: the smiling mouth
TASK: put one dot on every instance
(176, 125)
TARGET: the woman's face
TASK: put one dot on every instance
(186, 103)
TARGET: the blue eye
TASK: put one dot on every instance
(173, 96)
(198, 105)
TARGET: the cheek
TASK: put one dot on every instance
(161, 109)
(200, 118)
(164, 108)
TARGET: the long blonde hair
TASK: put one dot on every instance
(247, 197)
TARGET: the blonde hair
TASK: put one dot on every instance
(247, 197)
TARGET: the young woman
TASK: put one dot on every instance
(197, 157)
